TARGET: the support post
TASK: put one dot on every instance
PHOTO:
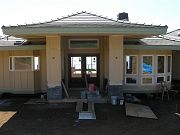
(115, 64)
(53, 57)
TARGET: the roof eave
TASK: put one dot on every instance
(22, 47)
(84, 30)
(152, 47)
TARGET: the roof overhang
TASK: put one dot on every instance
(152, 47)
(19, 31)
(22, 47)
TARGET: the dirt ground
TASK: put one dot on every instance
(61, 119)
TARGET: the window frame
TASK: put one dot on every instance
(164, 65)
(142, 57)
(34, 63)
(167, 64)
(136, 65)
(69, 43)
(131, 83)
(170, 78)
(157, 78)
(12, 59)
(147, 83)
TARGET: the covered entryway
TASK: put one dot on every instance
(81, 66)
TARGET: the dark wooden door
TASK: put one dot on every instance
(81, 66)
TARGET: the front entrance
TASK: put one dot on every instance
(81, 66)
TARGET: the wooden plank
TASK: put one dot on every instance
(79, 106)
(12, 79)
(24, 80)
(90, 106)
(1, 70)
(30, 80)
(6, 70)
(67, 100)
(64, 87)
(17, 80)
(137, 110)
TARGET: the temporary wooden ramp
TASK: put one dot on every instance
(86, 114)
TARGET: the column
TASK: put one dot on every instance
(53, 61)
(115, 64)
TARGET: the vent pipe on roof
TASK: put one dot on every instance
(123, 16)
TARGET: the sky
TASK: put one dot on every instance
(164, 12)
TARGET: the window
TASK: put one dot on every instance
(160, 79)
(131, 80)
(168, 79)
(131, 64)
(91, 66)
(168, 64)
(36, 63)
(83, 44)
(23, 63)
(160, 64)
(76, 67)
(147, 65)
(147, 80)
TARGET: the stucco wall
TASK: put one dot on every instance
(53, 58)
(116, 60)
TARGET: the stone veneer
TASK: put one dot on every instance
(54, 93)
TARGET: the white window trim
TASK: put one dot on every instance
(160, 76)
(13, 68)
(165, 64)
(147, 83)
(152, 65)
(136, 65)
(83, 40)
(131, 83)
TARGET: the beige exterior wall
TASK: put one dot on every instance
(176, 65)
(43, 70)
(22, 82)
(53, 60)
(15, 81)
(116, 60)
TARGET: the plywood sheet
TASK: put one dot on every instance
(137, 110)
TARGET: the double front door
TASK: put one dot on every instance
(81, 66)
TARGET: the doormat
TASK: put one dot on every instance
(137, 110)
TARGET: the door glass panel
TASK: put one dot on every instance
(91, 66)
(76, 67)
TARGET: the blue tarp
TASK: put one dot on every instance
(147, 68)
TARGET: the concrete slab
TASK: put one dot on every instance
(137, 110)
(35, 101)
